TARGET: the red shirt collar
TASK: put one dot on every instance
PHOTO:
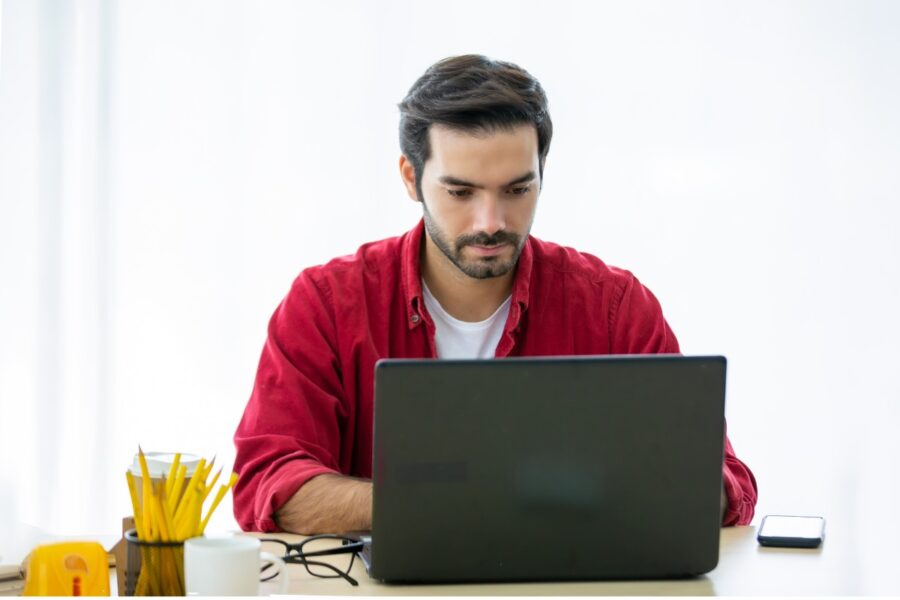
(411, 275)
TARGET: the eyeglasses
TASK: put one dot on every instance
(299, 554)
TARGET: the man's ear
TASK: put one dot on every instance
(408, 175)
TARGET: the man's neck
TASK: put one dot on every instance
(463, 297)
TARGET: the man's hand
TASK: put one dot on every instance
(328, 504)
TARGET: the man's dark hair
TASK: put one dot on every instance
(471, 93)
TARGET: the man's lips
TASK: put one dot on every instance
(488, 250)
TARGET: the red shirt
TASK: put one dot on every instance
(312, 403)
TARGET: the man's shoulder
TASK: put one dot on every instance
(552, 259)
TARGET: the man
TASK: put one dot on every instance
(467, 282)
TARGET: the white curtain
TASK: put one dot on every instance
(55, 408)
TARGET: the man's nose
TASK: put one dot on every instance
(489, 215)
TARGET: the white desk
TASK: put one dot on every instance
(850, 562)
(744, 568)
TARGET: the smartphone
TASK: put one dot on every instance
(785, 531)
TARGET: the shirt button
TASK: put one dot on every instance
(414, 318)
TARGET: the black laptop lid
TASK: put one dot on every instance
(544, 469)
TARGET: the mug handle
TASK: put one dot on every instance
(282, 569)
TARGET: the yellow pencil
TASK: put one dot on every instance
(212, 484)
(159, 517)
(177, 488)
(147, 492)
(223, 489)
(180, 516)
(191, 485)
(188, 525)
(170, 480)
(195, 513)
(135, 505)
(185, 517)
(209, 467)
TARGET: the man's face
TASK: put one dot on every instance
(480, 192)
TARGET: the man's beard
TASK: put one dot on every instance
(483, 267)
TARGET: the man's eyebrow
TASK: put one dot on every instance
(451, 180)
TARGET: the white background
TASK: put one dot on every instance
(168, 167)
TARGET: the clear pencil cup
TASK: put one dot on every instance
(154, 568)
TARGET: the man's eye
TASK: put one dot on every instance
(460, 193)
(519, 191)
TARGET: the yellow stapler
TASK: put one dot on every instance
(67, 569)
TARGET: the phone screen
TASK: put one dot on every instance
(792, 527)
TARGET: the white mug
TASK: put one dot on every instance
(227, 566)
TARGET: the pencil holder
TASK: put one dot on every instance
(154, 568)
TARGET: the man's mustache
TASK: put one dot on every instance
(483, 239)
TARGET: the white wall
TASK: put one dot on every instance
(740, 158)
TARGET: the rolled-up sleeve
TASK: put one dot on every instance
(291, 428)
(740, 489)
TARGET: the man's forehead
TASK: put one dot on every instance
(495, 154)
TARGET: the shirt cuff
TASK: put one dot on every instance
(735, 494)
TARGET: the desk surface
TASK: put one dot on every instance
(745, 568)
(841, 566)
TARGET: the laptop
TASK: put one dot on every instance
(542, 469)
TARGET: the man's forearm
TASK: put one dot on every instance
(328, 504)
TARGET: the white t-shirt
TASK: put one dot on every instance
(461, 339)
